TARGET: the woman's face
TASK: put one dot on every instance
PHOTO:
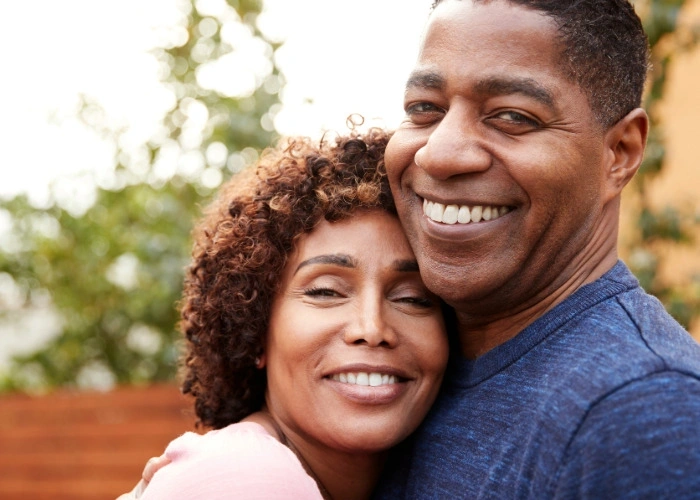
(357, 346)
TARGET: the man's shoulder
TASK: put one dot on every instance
(632, 327)
(659, 332)
(624, 336)
(646, 425)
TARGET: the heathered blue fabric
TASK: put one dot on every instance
(599, 398)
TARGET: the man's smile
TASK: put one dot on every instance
(462, 214)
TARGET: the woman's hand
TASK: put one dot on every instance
(153, 465)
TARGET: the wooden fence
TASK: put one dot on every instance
(85, 445)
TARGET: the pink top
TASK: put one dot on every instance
(238, 461)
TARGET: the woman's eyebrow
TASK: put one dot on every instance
(337, 259)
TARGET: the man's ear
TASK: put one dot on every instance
(625, 141)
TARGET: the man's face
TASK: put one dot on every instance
(497, 168)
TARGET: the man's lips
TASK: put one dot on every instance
(462, 214)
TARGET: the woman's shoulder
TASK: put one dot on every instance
(241, 460)
(242, 445)
(231, 439)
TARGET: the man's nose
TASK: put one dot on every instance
(456, 146)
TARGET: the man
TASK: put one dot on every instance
(522, 127)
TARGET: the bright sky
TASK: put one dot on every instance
(344, 56)
(340, 57)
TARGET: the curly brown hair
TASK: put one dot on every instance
(241, 247)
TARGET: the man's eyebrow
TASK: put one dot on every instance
(337, 259)
(489, 86)
(525, 86)
(406, 266)
(425, 80)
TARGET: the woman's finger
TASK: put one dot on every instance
(152, 466)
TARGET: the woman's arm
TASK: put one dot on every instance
(152, 466)
(240, 461)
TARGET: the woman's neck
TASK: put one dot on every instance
(340, 475)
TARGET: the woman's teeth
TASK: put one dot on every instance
(362, 378)
(462, 214)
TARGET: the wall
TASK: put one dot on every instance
(679, 183)
(85, 445)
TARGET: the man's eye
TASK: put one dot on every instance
(517, 118)
(422, 107)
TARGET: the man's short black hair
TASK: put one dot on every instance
(604, 50)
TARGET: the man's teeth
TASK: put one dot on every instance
(362, 378)
(461, 214)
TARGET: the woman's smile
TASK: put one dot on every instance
(356, 345)
(369, 385)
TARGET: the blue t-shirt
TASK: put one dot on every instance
(598, 398)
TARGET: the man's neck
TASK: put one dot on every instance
(479, 334)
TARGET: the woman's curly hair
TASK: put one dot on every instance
(241, 247)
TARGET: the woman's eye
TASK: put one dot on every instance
(321, 292)
(423, 302)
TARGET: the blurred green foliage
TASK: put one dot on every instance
(114, 273)
(659, 228)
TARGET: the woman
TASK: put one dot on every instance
(312, 344)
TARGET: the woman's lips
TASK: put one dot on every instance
(368, 384)
(368, 394)
(373, 379)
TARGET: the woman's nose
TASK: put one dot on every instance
(454, 147)
(370, 326)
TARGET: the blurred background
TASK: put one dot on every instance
(119, 121)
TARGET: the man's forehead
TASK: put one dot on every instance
(505, 51)
(496, 16)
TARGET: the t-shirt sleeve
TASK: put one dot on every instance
(642, 441)
(237, 462)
